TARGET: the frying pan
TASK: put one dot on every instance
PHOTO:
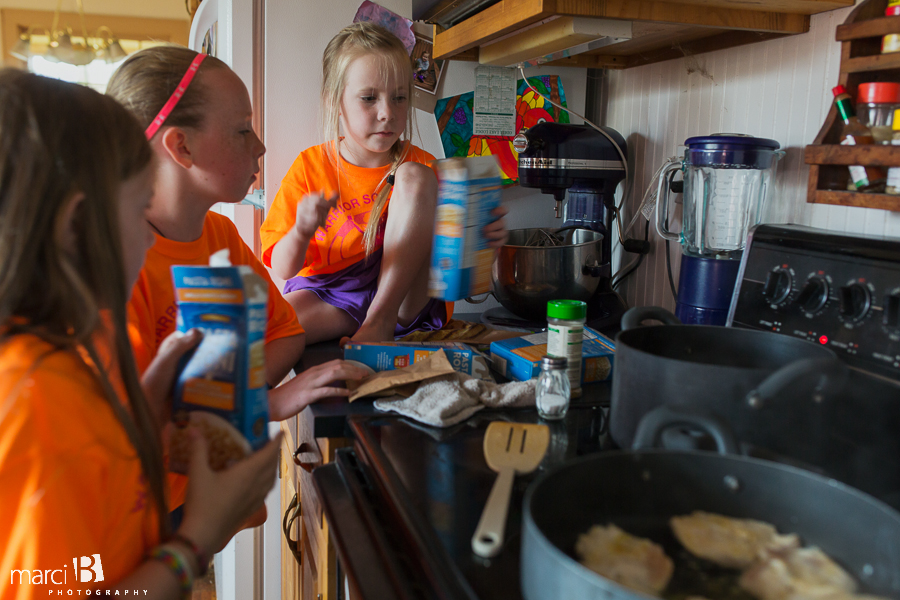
(641, 490)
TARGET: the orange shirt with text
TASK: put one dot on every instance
(152, 310)
(339, 243)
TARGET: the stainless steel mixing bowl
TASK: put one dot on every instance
(526, 276)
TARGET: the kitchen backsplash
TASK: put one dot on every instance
(778, 89)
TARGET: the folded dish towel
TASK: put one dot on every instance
(446, 400)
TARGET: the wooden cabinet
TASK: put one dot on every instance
(315, 578)
(290, 525)
(661, 29)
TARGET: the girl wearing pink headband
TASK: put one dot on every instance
(201, 132)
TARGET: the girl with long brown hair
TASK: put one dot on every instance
(82, 488)
(354, 267)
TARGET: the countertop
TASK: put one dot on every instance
(329, 416)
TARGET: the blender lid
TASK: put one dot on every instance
(730, 141)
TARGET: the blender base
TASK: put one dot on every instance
(705, 288)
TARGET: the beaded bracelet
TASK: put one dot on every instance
(175, 562)
(201, 558)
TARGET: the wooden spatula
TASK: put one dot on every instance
(510, 449)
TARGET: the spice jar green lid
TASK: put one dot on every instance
(569, 310)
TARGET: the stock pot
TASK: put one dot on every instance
(754, 379)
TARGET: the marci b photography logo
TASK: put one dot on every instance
(90, 570)
(87, 569)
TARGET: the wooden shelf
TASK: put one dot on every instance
(832, 154)
(661, 29)
(856, 199)
(861, 62)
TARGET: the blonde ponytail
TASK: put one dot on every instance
(362, 39)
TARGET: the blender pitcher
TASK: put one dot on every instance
(728, 182)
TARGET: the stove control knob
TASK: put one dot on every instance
(892, 310)
(814, 294)
(777, 286)
(856, 300)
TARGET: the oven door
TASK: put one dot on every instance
(381, 551)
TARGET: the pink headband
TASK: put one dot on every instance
(170, 104)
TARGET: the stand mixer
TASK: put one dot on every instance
(577, 160)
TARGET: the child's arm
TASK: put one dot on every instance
(281, 356)
(216, 505)
(310, 386)
(496, 231)
(289, 253)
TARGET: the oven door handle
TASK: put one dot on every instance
(290, 515)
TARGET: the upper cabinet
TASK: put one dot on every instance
(618, 34)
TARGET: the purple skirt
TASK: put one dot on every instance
(353, 289)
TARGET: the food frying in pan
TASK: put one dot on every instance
(797, 573)
(722, 558)
(735, 543)
(633, 562)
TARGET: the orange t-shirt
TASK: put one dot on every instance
(339, 243)
(152, 310)
(71, 483)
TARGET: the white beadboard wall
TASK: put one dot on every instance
(778, 89)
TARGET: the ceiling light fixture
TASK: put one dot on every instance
(61, 48)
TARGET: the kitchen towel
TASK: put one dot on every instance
(446, 400)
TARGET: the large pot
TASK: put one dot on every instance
(640, 491)
(526, 276)
(753, 379)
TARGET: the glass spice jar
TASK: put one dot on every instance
(553, 393)
(875, 106)
(565, 336)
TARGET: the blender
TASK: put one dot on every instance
(728, 182)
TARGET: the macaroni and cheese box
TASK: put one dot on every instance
(468, 190)
(520, 358)
(386, 356)
(221, 387)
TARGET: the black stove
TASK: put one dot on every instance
(404, 501)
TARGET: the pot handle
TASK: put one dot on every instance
(650, 429)
(830, 376)
(595, 269)
(472, 300)
(636, 316)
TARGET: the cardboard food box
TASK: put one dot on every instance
(520, 358)
(468, 190)
(221, 387)
(385, 356)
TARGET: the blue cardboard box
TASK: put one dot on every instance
(225, 375)
(468, 190)
(386, 356)
(519, 358)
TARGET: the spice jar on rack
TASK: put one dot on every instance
(891, 42)
(875, 106)
(853, 133)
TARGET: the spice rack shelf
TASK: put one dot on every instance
(861, 62)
